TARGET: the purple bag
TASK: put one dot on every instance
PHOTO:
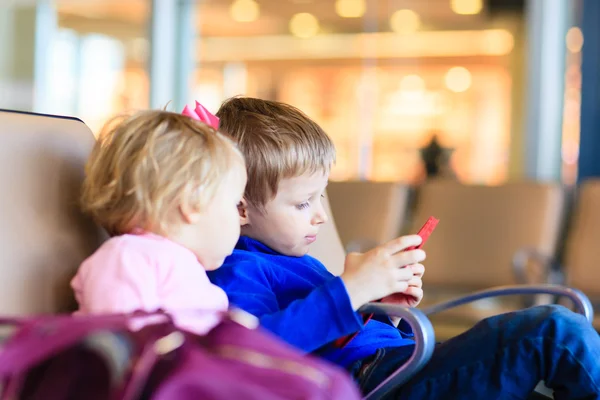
(99, 357)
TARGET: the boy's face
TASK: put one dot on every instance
(291, 220)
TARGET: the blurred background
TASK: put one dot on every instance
(483, 113)
(484, 91)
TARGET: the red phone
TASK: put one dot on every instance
(425, 231)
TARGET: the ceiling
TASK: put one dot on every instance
(130, 18)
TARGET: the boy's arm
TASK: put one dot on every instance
(323, 316)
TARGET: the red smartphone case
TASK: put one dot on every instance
(425, 231)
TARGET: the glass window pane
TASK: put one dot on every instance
(383, 78)
(101, 62)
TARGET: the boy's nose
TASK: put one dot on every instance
(320, 216)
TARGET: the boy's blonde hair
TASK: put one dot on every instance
(277, 140)
(144, 165)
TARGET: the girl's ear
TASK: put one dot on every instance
(189, 214)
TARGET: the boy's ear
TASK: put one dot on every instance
(243, 211)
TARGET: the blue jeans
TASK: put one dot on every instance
(503, 357)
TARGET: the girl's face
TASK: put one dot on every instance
(213, 232)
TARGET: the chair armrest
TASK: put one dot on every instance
(582, 304)
(550, 266)
(424, 344)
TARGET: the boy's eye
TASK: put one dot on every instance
(303, 206)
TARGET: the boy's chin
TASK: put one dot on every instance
(299, 251)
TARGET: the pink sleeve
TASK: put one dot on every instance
(122, 281)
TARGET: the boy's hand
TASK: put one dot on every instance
(413, 295)
(380, 272)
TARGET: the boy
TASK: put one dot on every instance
(270, 275)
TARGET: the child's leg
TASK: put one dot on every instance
(504, 357)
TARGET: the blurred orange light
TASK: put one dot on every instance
(350, 8)
(412, 83)
(466, 7)
(304, 25)
(405, 21)
(458, 79)
(244, 10)
(574, 39)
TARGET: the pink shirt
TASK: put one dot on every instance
(149, 272)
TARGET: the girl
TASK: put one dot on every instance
(166, 187)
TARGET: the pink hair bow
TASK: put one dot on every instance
(202, 114)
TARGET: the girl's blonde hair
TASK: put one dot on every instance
(144, 165)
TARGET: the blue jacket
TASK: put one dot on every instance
(298, 300)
